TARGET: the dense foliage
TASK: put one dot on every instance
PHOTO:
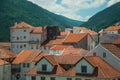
(105, 18)
(12, 11)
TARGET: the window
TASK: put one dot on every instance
(24, 45)
(20, 46)
(17, 38)
(78, 79)
(24, 30)
(104, 54)
(52, 78)
(33, 78)
(24, 37)
(94, 54)
(42, 78)
(69, 78)
(83, 69)
(28, 65)
(44, 67)
(23, 64)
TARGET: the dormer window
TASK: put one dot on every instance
(44, 67)
(84, 69)
(104, 54)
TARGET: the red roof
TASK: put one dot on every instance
(86, 30)
(4, 53)
(59, 47)
(102, 69)
(37, 30)
(2, 62)
(74, 38)
(58, 42)
(117, 41)
(26, 56)
(22, 25)
(112, 28)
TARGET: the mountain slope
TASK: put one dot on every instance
(105, 18)
(12, 11)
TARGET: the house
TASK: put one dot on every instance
(94, 34)
(66, 50)
(7, 55)
(71, 67)
(58, 49)
(115, 29)
(23, 62)
(108, 38)
(108, 52)
(80, 40)
(25, 36)
(5, 70)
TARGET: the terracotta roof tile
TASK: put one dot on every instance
(103, 70)
(112, 28)
(58, 42)
(22, 25)
(59, 47)
(2, 62)
(117, 41)
(37, 30)
(75, 51)
(86, 30)
(5, 45)
(73, 38)
(113, 49)
(26, 56)
(63, 33)
(4, 53)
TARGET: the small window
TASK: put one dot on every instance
(28, 65)
(52, 78)
(94, 54)
(104, 54)
(23, 64)
(42, 78)
(17, 38)
(33, 78)
(83, 69)
(69, 78)
(20, 46)
(44, 67)
(24, 37)
(24, 45)
(24, 30)
(78, 79)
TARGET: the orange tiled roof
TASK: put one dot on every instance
(117, 41)
(103, 70)
(49, 43)
(73, 38)
(2, 62)
(58, 42)
(75, 51)
(22, 25)
(59, 47)
(112, 28)
(86, 30)
(26, 56)
(37, 30)
(113, 49)
(63, 33)
(5, 45)
(4, 53)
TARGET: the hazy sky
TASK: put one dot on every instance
(75, 9)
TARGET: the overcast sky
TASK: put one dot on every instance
(80, 10)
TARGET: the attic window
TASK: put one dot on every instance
(44, 67)
(84, 69)
(104, 54)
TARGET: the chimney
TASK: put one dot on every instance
(15, 23)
